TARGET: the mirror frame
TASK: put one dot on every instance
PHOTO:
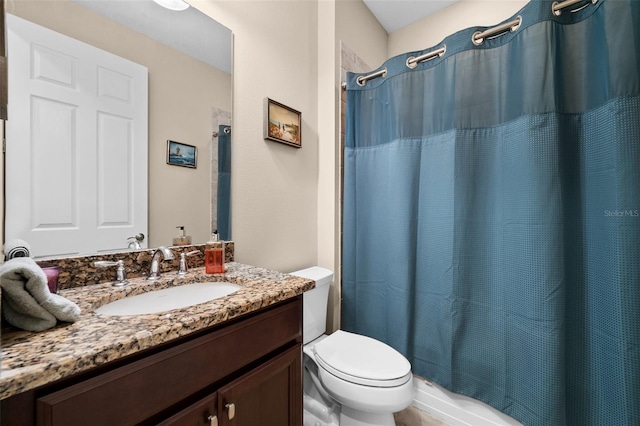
(179, 180)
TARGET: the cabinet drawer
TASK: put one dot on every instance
(135, 392)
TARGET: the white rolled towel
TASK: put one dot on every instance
(27, 302)
(16, 248)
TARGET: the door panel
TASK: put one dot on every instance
(53, 139)
(114, 170)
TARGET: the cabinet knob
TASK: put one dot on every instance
(213, 420)
(231, 410)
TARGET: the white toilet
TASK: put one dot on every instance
(349, 379)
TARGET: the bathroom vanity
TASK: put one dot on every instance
(233, 361)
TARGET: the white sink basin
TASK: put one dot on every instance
(168, 299)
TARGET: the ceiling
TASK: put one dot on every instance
(395, 14)
(212, 43)
(189, 31)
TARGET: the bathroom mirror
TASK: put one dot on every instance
(188, 56)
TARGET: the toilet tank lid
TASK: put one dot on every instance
(321, 276)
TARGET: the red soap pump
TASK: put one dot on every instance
(214, 255)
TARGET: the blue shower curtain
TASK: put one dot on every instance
(224, 183)
(492, 214)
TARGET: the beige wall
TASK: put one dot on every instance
(179, 109)
(285, 201)
(274, 187)
(328, 150)
(430, 31)
(357, 28)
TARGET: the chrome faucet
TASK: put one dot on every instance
(154, 272)
(121, 274)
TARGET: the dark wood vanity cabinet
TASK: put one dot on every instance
(264, 396)
(247, 373)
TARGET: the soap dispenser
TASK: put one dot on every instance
(181, 239)
(214, 255)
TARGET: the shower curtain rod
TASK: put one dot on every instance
(477, 38)
(413, 62)
(362, 80)
(556, 7)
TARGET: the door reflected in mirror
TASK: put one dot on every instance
(189, 99)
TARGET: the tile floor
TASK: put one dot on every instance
(414, 417)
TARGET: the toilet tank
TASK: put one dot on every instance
(315, 302)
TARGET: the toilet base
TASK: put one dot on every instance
(315, 415)
(331, 401)
(351, 417)
(318, 413)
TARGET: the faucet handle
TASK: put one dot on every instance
(184, 268)
(121, 274)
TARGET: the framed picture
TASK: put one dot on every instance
(181, 154)
(282, 124)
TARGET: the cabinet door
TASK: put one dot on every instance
(202, 413)
(270, 395)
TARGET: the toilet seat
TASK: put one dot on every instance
(362, 360)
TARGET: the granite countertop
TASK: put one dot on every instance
(31, 359)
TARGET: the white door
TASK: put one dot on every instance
(76, 174)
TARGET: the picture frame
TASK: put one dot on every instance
(282, 123)
(182, 154)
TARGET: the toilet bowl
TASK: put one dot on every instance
(366, 379)
(349, 379)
